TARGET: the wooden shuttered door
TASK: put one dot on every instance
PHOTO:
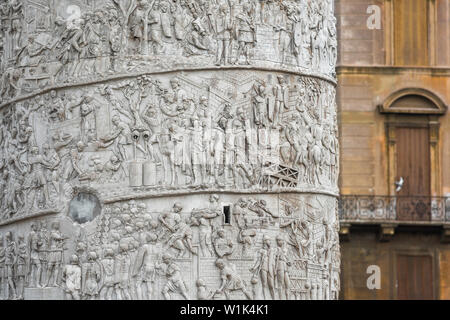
(414, 277)
(413, 165)
(411, 32)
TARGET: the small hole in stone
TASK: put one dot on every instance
(226, 214)
(84, 207)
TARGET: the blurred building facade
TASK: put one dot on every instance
(394, 89)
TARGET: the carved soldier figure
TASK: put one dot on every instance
(21, 266)
(43, 253)
(265, 267)
(51, 156)
(197, 40)
(181, 239)
(246, 32)
(231, 280)
(281, 94)
(91, 277)
(175, 281)
(55, 256)
(204, 221)
(260, 208)
(121, 137)
(122, 264)
(223, 245)
(2, 268)
(223, 28)
(203, 293)
(37, 178)
(154, 21)
(16, 16)
(219, 137)
(282, 272)
(71, 278)
(34, 244)
(137, 24)
(244, 220)
(316, 155)
(204, 114)
(179, 137)
(108, 280)
(166, 21)
(88, 126)
(114, 38)
(145, 267)
(260, 103)
(198, 154)
(178, 19)
(10, 262)
(169, 220)
(31, 53)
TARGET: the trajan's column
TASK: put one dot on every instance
(168, 149)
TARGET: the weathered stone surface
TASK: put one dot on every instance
(168, 150)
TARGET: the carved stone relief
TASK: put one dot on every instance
(168, 150)
(42, 46)
(270, 247)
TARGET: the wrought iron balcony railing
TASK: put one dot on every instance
(355, 208)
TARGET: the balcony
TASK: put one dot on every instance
(388, 212)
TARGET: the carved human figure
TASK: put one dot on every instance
(246, 32)
(285, 28)
(167, 147)
(2, 267)
(218, 149)
(169, 220)
(36, 178)
(10, 262)
(71, 279)
(55, 255)
(231, 280)
(34, 244)
(316, 155)
(175, 283)
(281, 94)
(282, 264)
(43, 252)
(72, 163)
(31, 53)
(223, 28)
(198, 154)
(260, 103)
(115, 37)
(203, 293)
(137, 23)
(16, 21)
(265, 267)
(245, 222)
(154, 27)
(204, 218)
(88, 115)
(178, 19)
(108, 280)
(51, 157)
(21, 266)
(181, 239)
(121, 136)
(260, 208)
(197, 40)
(91, 277)
(223, 245)
(144, 268)
(122, 265)
(180, 140)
